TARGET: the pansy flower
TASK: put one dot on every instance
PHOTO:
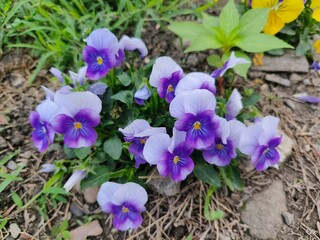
(81, 115)
(125, 202)
(227, 137)
(100, 53)
(142, 94)
(78, 77)
(234, 105)
(195, 111)
(172, 156)
(41, 120)
(260, 141)
(137, 134)
(196, 80)
(281, 12)
(315, 5)
(74, 179)
(231, 63)
(165, 75)
(130, 44)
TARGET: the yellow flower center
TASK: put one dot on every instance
(219, 146)
(176, 159)
(77, 125)
(197, 125)
(44, 130)
(265, 151)
(170, 88)
(142, 141)
(125, 210)
(99, 60)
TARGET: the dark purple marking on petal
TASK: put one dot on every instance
(43, 136)
(167, 86)
(209, 86)
(62, 123)
(87, 117)
(224, 152)
(126, 212)
(82, 137)
(273, 143)
(265, 157)
(34, 119)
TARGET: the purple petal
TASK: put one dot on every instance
(265, 157)
(49, 93)
(106, 192)
(137, 145)
(236, 128)
(143, 93)
(98, 88)
(163, 68)
(80, 76)
(99, 62)
(103, 39)
(156, 146)
(234, 105)
(131, 193)
(166, 87)
(48, 167)
(42, 136)
(316, 65)
(76, 101)
(77, 138)
(275, 142)
(270, 130)
(177, 138)
(219, 153)
(130, 44)
(139, 159)
(126, 221)
(62, 123)
(139, 101)
(48, 110)
(88, 117)
(57, 73)
(249, 139)
(120, 56)
(75, 178)
(307, 98)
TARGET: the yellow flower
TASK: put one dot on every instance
(316, 46)
(280, 13)
(315, 5)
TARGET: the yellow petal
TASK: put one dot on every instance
(316, 14)
(274, 23)
(289, 10)
(315, 4)
(264, 3)
(316, 45)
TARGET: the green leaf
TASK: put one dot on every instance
(231, 177)
(215, 61)
(209, 21)
(113, 147)
(260, 43)
(124, 79)
(207, 174)
(253, 21)
(83, 152)
(201, 38)
(229, 18)
(13, 176)
(17, 200)
(102, 174)
(55, 190)
(8, 157)
(303, 46)
(251, 100)
(240, 69)
(216, 215)
(125, 96)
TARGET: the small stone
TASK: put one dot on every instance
(307, 148)
(288, 62)
(76, 210)
(3, 142)
(12, 165)
(14, 230)
(192, 60)
(26, 154)
(164, 186)
(3, 119)
(307, 81)
(290, 104)
(277, 79)
(90, 194)
(262, 213)
(288, 218)
(294, 78)
(17, 80)
(285, 148)
(255, 74)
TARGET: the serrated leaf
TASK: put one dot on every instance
(124, 96)
(102, 174)
(260, 43)
(113, 147)
(229, 18)
(207, 174)
(253, 21)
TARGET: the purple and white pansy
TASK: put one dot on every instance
(137, 134)
(130, 44)
(234, 105)
(171, 155)
(41, 121)
(81, 113)
(195, 113)
(100, 53)
(227, 137)
(142, 94)
(260, 141)
(165, 75)
(231, 63)
(125, 202)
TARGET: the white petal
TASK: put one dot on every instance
(155, 147)
(270, 130)
(106, 192)
(199, 100)
(223, 130)
(249, 139)
(48, 110)
(137, 126)
(236, 129)
(177, 138)
(176, 106)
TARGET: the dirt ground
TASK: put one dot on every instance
(169, 217)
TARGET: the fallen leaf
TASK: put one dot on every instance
(89, 229)
(3, 119)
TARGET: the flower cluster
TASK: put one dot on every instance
(77, 109)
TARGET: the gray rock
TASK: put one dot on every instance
(277, 79)
(14, 230)
(90, 194)
(17, 80)
(288, 218)
(286, 63)
(164, 186)
(296, 78)
(3, 142)
(192, 60)
(263, 212)
(12, 165)
(290, 104)
(76, 210)
(285, 148)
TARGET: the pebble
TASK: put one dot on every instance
(90, 194)
(14, 230)
(290, 104)
(294, 78)
(285, 148)
(26, 154)
(288, 218)
(17, 80)
(3, 142)
(164, 186)
(12, 165)
(277, 79)
(76, 210)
